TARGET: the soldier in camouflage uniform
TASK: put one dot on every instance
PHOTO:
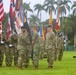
(36, 47)
(60, 47)
(50, 46)
(42, 47)
(23, 41)
(1, 50)
(9, 51)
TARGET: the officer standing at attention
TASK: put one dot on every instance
(50, 46)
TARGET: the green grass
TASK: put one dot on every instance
(65, 67)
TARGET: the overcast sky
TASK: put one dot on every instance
(33, 2)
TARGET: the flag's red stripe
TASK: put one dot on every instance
(1, 11)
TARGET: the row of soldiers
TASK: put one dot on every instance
(20, 47)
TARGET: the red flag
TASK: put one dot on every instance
(58, 19)
(8, 29)
(1, 10)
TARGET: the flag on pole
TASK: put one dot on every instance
(50, 20)
(12, 12)
(58, 19)
(12, 8)
(43, 32)
(9, 28)
(17, 23)
(40, 32)
(27, 28)
(1, 10)
(18, 14)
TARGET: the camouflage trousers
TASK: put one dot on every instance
(15, 56)
(9, 56)
(27, 55)
(41, 55)
(26, 58)
(60, 54)
(56, 53)
(1, 56)
(23, 57)
(35, 57)
(50, 57)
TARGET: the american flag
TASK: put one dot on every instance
(1, 10)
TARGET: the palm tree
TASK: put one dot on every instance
(39, 8)
(49, 5)
(27, 8)
(34, 20)
(64, 6)
(74, 10)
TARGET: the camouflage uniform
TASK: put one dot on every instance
(1, 52)
(50, 47)
(27, 55)
(56, 48)
(36, 48)
(42, 47)
(23, 41)
(14, 38)
(9, 52)
(60, 48)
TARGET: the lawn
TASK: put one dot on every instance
(65, 67)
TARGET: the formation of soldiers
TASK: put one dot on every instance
(19, 48)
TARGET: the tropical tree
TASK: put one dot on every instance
(26, 7)
(70, 27)
(39, 8)
(49, 5)
(64, 6)
(74, 8)
(34, 20)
